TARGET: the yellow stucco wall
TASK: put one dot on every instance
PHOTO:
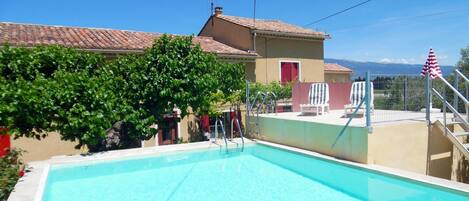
(401, 146)
(460, 164)
(250, 69)
(310, 55)
(52, 145)
(337, 77)
(228, 33)
(404, 146)
(43, 149)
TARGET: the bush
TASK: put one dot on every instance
(282, 92)
(81, 95)
(10, 166)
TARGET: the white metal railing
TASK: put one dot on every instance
(457, 94)
(458, 117)
(457, 76)
(263, 102)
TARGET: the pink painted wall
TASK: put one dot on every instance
(339, 94)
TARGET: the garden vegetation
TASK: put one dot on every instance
(10, 166)
(81, 94)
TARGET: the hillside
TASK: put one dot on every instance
(392, 69)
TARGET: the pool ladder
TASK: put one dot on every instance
(235, 120)
(219, 122)
(262, 103)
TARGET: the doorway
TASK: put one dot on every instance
(168, 131)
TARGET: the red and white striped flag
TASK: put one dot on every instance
(431, 66)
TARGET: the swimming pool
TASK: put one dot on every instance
(260, 172)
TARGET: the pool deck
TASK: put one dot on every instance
(31, 186)
(378, 117)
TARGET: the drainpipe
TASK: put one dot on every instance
(254, 41)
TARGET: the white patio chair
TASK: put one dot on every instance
(318, 98)
(357, 93)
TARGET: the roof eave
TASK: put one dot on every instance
(338, 72)
(138, 51)
(238, 56)
(291, 35)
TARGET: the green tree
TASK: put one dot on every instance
(33, 83)
(463, 67)
(81, 95)
(463, 63)
(282, 91)
(172, 73)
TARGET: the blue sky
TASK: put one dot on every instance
(399, 31)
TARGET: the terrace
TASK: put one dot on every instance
(397, 136)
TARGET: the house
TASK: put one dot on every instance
(335, 73)
(286, 52)
(270, 49)
(106, 41)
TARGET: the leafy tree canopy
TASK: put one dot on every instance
(81, 95)
(463, 63)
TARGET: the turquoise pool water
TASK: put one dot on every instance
(258, 173)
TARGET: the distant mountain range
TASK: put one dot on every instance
(391, 69)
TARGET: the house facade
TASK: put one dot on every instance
(286, 52)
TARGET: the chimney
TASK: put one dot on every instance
(218, 11)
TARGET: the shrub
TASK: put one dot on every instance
(10, 167)
(282, 92)
(81, 95)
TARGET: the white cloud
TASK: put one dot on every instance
(441, 56)
(404, 61)
(385, 60)
(399, 61)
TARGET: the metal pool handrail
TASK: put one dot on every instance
(274, 100)
(256, 99)
(348, 122)
(240, 131)
(223, 131)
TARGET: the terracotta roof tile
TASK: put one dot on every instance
(329, 67)
(273, 26)
(98, 39)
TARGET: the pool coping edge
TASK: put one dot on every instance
(403, 174)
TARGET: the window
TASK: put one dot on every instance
(289, 72)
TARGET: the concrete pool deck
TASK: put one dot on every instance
(31, 186)
(378, 117)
